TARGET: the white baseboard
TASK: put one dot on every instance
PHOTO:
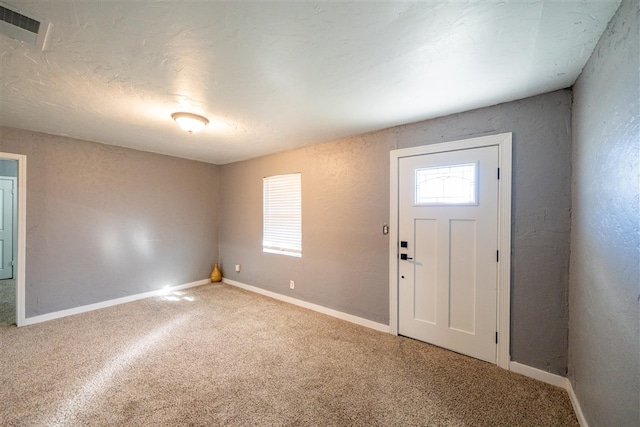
(109, 303)
(553, 379)
(538, 374)
(576, 405)
(315, 307)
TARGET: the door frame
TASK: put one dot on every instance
(503, 142)
(21, 249)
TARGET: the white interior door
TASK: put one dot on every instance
(7, 186)
(448, 234)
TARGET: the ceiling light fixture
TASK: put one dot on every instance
(190, 122)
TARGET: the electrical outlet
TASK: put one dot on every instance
(292, 284)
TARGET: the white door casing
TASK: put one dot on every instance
(447, 285)
(21, 238)
(7, 194)
(462, 228)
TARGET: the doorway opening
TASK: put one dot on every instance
(12, 237)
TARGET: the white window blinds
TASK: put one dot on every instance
(282, 215)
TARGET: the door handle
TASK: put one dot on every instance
(405, 257)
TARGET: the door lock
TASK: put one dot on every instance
(405, 257)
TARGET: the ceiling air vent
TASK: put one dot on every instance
(25, 28)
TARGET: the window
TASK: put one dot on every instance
(446, 185)
(282, 215)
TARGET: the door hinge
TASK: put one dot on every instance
(496, 338)
(498, 173)
(497, 256)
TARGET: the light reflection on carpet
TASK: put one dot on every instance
(71, 408)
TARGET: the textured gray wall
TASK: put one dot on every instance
(345, 193)
(345, 187)
(604, 341)
(106, 222)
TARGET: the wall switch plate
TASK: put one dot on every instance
(238, 268)
(291, 284)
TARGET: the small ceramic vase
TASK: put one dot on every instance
(216, 276)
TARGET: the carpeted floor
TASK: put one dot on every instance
(218, 355)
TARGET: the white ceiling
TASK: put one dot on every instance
(272, 76)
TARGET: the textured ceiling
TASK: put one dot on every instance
(272, 76)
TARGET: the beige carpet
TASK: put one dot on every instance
(218, 355)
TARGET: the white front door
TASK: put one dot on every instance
(448, 241)
(6, 227)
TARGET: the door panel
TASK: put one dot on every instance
(448, 214)
(462, 275)
(6, 228)
(424, 300)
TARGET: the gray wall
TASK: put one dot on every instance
(345, 186)
(604, 341)
(105, 222)
(345, 193)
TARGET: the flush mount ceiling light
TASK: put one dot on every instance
(190, 122)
